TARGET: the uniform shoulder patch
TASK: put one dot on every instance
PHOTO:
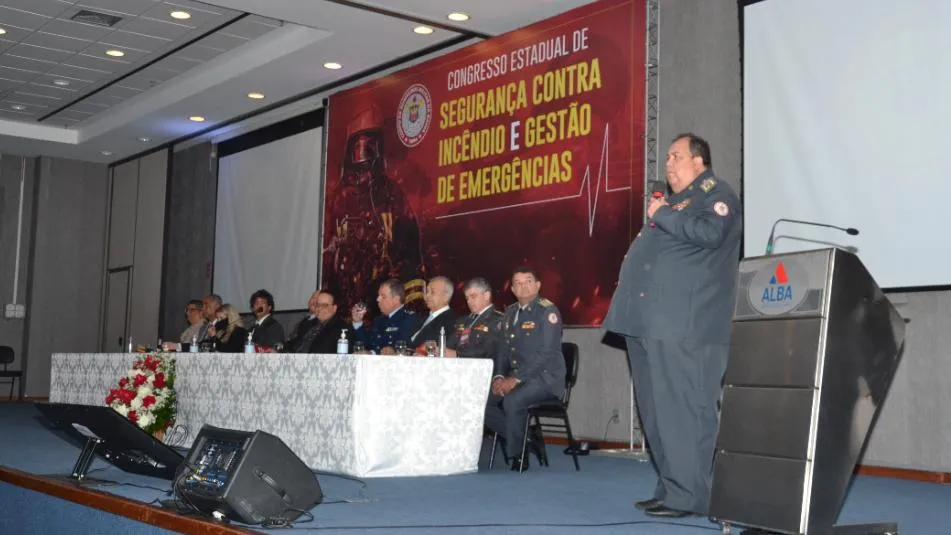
(553, 318)
(721, 209)
(545, 303)
(708, 184)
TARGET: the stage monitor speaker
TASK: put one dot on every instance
(102, 431)
(253, 478)
(815, 346)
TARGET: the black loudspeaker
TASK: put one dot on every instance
(253, 478)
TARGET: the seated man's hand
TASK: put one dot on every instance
(497, 385)
(362, 352)
(387, 350)
(451, 353)
(508, 384)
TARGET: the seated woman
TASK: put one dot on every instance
(228, 332)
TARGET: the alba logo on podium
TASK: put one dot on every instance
(778, 287)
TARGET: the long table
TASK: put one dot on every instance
(363, 416)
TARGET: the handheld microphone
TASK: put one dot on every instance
(769, 244)
(658, 188)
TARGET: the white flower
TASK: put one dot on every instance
(136, 404)
(123, 410)
(143, 391)
(145, 420)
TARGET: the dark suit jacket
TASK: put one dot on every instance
(445, 320)
(270, 333)
(326, 340)
(297, 333)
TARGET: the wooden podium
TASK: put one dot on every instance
(815, 346)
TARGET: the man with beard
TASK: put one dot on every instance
(265, 331)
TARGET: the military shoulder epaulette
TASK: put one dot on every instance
(496, 312)
(545, 303)
(708, 184)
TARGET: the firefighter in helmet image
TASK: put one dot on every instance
(375, 234)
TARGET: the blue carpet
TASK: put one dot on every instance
(552, 500)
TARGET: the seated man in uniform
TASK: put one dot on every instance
(479, 334)
(529, 367)
(395, 324)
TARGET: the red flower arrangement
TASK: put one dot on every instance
(146, 395)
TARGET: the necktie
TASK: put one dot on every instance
(304, 346)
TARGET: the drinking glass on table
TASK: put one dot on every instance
(358, 346)
(431, 347)
(400, 347)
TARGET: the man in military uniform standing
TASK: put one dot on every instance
(395, 324)
(529, 367)
(674, 305)
(479, 334)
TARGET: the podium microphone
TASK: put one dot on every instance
(769, 244)
(658, 188)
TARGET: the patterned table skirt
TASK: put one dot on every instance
(363, 416)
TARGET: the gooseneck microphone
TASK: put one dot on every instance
(772, 233)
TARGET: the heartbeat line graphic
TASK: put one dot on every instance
(585, 188)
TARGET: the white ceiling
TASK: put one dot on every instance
(206, 65)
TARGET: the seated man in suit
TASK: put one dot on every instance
(395, 324)
(318, 333)
(265, 331)
(479, 334)
(530, 367)
(197, 327)
(437, 297)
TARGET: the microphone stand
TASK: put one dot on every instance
(772, 233)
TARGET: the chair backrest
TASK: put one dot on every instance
(570, 351)
(6, 356)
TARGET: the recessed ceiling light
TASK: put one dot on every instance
(255, 95)
(458, 17)
(61, 83)
(423, 30)
(197, 118)
(332, 65)
(115, 53)
(18, 107)
(2, 31)
(145, 139)
(180, 15)
(106, 152)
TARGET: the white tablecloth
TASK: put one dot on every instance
(364, 416)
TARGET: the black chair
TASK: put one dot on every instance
(553, 410)
(6, 358)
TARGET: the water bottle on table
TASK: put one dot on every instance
(343, 346)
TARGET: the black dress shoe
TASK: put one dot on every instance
(644, 505)
(666, 512)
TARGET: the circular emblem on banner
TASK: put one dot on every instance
(414, 115)
(778, 287)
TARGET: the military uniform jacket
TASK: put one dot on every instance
(531, 348)
(386, 330)
(678, 278)
(477, 335)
